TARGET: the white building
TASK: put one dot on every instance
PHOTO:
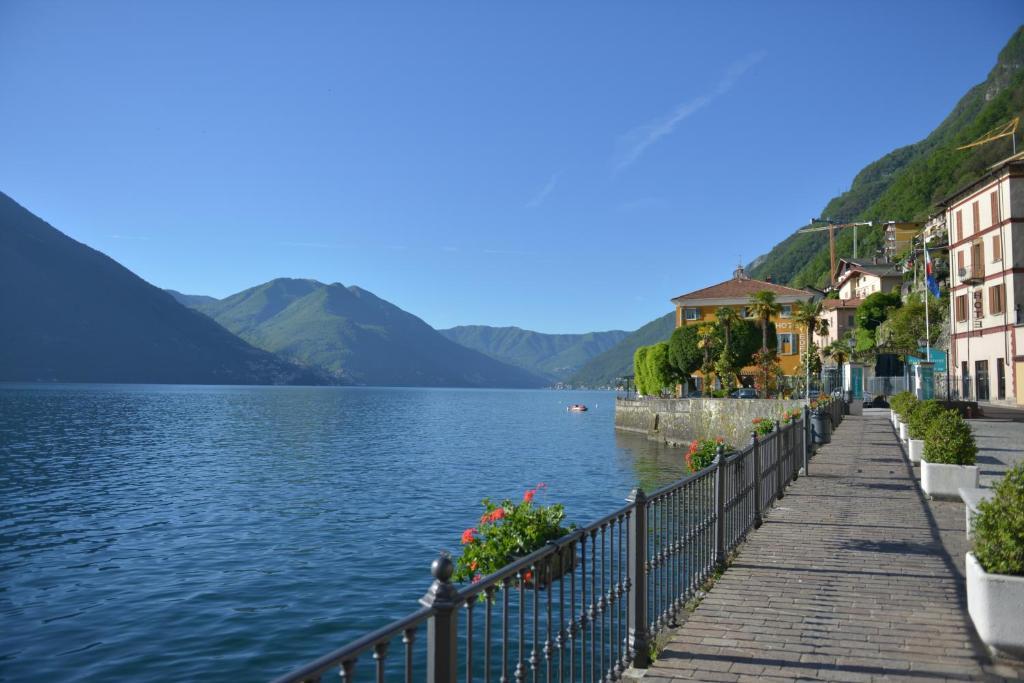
(985, 222)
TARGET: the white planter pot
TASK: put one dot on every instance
(996, 605)
(915, 447)
(903, 431)
(945, 481)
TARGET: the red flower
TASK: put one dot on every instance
(476, 578)
(472, 565)
(528, 496)
(757, 420)
(720, 440)
(527, 576)
(467, 536)
(493, 515)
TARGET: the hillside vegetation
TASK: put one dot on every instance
(617, 361)
(553, 356)
(906, 183)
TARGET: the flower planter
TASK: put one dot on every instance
(902, 430)
(915, 448)
(941, 481)
(996, 605)
(562, 563)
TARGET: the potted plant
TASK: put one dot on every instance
(702, 453)
(947, 463)
(919, 417)
(995, 570)
(508, 531)
(763, 426)
(901, 403)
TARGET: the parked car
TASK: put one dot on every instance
(745, 392)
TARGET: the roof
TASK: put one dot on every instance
(877, 269)
(840, 303)
(741, 288)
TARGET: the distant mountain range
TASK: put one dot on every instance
(72, 314)
(617, 361)
(552, 356)
(355, 336)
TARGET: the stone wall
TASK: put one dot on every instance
(681, 420)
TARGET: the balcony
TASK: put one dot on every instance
(972, 274)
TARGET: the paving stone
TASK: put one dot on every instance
(852, 577)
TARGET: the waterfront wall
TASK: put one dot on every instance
(681, 420)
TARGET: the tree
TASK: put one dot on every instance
(683, 352)
(807, 313)
(904, 329)
(708, 341)
(823, 327)
(873, 311)
(640, 370)
(746, 341)
(725, 366)
(764, 307)
(660, 373)
(838, 351)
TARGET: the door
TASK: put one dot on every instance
(981, 379)
(1018, 372)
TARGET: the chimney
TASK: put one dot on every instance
(740, 273)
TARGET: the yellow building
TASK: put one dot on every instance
(700, 307)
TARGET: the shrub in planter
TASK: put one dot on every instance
(702, 453)
(901, 403)
(506, 531)
(920, 415)
(948, 459)
(948, 440)
(995, 570)
(999, 526)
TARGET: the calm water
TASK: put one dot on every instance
(221, 533)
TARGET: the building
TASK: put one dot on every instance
(860, 279)
(700, 307)
(898, 237)
(839, 314)
(985, 222)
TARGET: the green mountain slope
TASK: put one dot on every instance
(355, 336)
(618, 360)
(72, 314)
(906, 183)
(553, 356)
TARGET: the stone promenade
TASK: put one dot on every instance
(847, 580)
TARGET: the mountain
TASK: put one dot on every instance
(355, 336)
(190, 300)
(72, 314)
(617, 361)
(906, 183)
(553, 356)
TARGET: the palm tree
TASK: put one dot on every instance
(823, 327)
(806, 313)
(763, 306)
(727, 317)
(839, 352)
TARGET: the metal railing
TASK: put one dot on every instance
(588, 606)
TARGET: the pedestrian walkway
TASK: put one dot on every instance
(847, 580)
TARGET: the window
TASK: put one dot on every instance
(961, 308)
(994, 199)
(960, 260)
(693, 314)
(996, 299)
(745, 312)
(997, 249)
(788, 344)
(959, 225)
(850, 321)
(787, 311)
(975, 217)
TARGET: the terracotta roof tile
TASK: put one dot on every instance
(840, 303)
(741, 288)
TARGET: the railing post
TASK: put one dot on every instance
(636, 615)
(807, 440)
(442, 627)
(780, 479)
(720, 507)
(755, 451)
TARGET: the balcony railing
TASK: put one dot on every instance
(588, 606)
(971, 274)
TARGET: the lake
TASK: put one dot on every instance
(232, 533)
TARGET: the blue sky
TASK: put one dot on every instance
(563, 167)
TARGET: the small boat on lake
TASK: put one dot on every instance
(577, 408)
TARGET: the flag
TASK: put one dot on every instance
(933, 286)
